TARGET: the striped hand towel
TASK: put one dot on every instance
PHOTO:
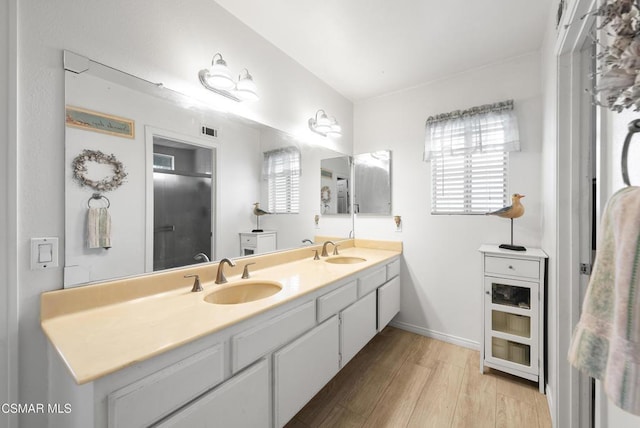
(98, 228)
(606, 341)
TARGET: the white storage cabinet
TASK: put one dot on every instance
(513, 302)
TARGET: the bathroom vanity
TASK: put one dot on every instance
(169, 358)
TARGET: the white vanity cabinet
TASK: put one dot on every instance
(147, 400)
(303, 367)
(513, 301)
(357, 326)
(256, 373)
(242, 401)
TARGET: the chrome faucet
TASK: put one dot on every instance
(324, 248)
(220, 278)
(201, 257)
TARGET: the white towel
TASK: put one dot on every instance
(606, 341)
(98, 228)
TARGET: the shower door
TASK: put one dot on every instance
(183, 192)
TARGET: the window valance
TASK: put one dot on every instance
(281, 162)
(482, 129)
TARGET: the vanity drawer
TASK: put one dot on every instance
(249, 240)
(393, 269)
(371, 281)
(252, 344)
(334, 302)
(512, 267)
(155, 396)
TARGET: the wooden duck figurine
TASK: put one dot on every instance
(515, 210)
(257, 211)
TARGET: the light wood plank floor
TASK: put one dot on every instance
(401, 379)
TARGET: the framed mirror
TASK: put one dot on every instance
(335, 181)
(372, 183)
(193, 178)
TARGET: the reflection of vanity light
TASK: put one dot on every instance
(323, 125)
(218, 79)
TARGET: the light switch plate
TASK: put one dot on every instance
(44, 253)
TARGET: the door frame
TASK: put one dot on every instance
(151, 132)
(9, 211)
(569, 137)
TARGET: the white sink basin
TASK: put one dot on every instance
(243, 292)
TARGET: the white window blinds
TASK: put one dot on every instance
(281, 169)
(468, 151)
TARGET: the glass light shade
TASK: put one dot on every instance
(246, 88)
(336, 129)
(219, 75)
(323, 124)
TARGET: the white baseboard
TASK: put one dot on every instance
(460, 341)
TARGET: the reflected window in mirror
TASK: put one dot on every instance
(282, 172)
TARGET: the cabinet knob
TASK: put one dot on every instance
(487, 292)
(510, 267)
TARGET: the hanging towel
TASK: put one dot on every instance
(98, 228)
(606, 341)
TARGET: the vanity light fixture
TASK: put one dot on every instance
(323, 125)
(218, 79)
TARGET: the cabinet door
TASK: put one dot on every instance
(511, 324)
(303, 367)
(242, 401)
(358, 326)
(388, 302)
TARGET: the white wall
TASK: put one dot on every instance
(161, 41)
(442, 291)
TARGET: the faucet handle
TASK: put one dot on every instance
(316, 257)
(335, 250)
(196, 283)
(245, 272)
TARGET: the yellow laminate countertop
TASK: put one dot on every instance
(96, 340)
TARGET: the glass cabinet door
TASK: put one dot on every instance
(510, 310)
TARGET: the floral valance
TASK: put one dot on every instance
(486, 128)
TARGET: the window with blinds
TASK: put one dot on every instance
(471, 183)
(469, 155)
(282, 172)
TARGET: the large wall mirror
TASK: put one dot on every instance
(372, 187)
(190, 179)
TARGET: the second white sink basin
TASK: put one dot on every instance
(243, 292)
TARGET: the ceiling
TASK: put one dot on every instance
(365, 48)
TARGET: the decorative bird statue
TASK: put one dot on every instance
(515, 210)
(258, 212)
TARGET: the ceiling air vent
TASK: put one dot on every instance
(211, 132)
